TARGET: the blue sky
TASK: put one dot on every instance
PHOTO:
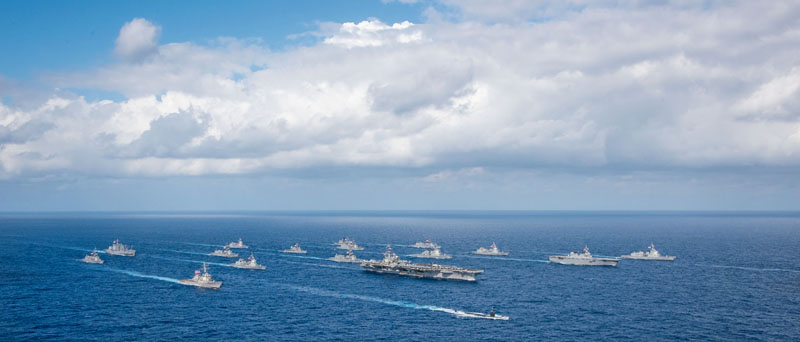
(436, 104)
(56, 35)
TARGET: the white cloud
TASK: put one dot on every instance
(635, 87)
(137, 39)
(373, 33)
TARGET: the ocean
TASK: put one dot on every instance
(736, 277)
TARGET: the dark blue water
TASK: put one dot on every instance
(737, 277)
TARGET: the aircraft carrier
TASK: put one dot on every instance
(391, 264)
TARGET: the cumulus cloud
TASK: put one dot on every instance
(374, 33)
(137, 39)
(633, 87)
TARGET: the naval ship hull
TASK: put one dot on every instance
(259, 267)
(424, 271)
(335, 259)
(560, 259)
(224, 255)
(491, 254)
(215, 285)
(121, 253)
(661, 258)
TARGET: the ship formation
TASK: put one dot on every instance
(392, 264)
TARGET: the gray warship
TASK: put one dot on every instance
(435, 253)
(349, 245)
(117, 248)
(346, 257)
(224, 252)
(391, 264)
(426, 244)
(238, 244)
(492, 250)
(202, 279)
(92, 258)
(295, 249)
(651, 254)
(250, 263)
(583, 259)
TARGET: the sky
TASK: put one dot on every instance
(400, 105)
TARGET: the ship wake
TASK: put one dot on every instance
(458, 313)
(750, 268)
(184, 252)
(141, 275)
(70, 248)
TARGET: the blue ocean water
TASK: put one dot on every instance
(736, 277)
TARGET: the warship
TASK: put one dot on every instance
(651, 254)
(349, 245)
(492, 250)
(391, 264)
(426, 244)
(92, 258)
(583, 259)
(238, 244)
(343, 241)
(224, 252)
(117, 248)
(250, 263)
(295, 249)
(435, 253)
(202, 279)
(346, 257)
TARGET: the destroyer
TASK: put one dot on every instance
(117, 248)
(651, 254)
(250, 263)
(92, 258)
(346, 257)
(238, 244)
(202, 279)
(295, 249)
(435, 253)
(583, 259)
(224, 252)
(492, 250)
(391, 264)
(426, 244)
(349, 245)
